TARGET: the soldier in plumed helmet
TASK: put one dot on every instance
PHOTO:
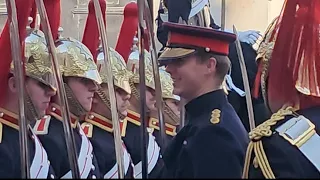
(171, 111)
(98, 124)
(81, 79)
(39, 88)
(133, 138)
(287, 145)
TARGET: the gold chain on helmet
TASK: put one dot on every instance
(256, 135)
(31, 112)
(101, 93)
(134, 90)
(167, 110)
(75, 106)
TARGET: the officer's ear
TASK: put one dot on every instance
(12, 84)
(211, 65)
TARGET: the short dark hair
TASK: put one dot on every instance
(223, 62)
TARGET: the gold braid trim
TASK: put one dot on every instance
(263, 130)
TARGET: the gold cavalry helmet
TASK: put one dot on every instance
(133, 66)
(167, 93)
(75, 59)
(120, 73)
(37, 59)
(166, 85)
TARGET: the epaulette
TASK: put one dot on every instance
(263, 130)
(215, 116)
(1, 127)
(87, 129)
(42, 125)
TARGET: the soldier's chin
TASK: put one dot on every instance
(124, 113)
(41, 113)
(177, 91)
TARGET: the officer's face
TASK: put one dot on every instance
(40, 95)
(188, 75)
(83, 89)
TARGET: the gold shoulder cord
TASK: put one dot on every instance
(263, 130)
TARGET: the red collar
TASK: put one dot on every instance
(105, 123)
(55, 111)
(9, 118)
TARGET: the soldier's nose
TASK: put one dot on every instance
(126, 97)
(51, 92)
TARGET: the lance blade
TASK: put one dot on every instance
(245, 80)
(159, 100)
(112, 96)
(182, 113)
(19, 76)
(223, 15)
(142, 85)
(68, 132)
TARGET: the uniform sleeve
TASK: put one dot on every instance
(214, 153)
(286, 160)
(7, 169)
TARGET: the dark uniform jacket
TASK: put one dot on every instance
(285, 159)
(132, 141)
(213, 143)
(181, 9)
(10, 160)
(100, 132)
(51, 134)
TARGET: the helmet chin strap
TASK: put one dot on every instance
(172, 117)
(31, 112)
(135, 93)
(75, 106)
(102, 94)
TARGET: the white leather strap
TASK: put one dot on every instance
(231, 86)
(300, 132)
(85, 157)
(153, 156)
(40, 163)
(113, 173)
(197, 6)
